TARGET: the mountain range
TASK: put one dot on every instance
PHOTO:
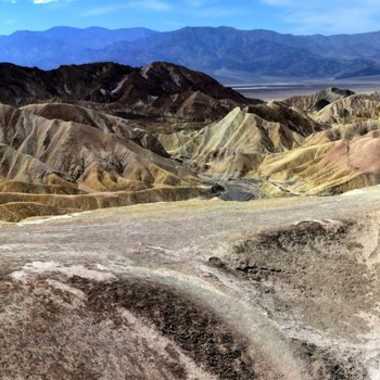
(226, 53)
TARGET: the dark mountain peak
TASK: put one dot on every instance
(337, 91)
(173, 78)
(160, 89)
(95, 67)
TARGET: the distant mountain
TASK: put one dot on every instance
(62, 45)
(222, 52)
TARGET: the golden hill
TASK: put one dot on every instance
(165, 133)
(319, 100)
(76, 163)
(288, 152)
(238, 143)
(350, 109)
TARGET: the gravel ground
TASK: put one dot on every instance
(267, 289)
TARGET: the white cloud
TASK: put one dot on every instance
(152, 5)
(38, 2)
(44, 1)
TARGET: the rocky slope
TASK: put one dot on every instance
(104, 291)
(157, 90)
(89, 136)
(83, 137)
(321, 144)
(40, 155)
(342, 157)
(356, 108)
(318, 101)
(235, 146)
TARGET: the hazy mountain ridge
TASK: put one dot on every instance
(257, 52)
(62, 45)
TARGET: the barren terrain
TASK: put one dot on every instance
(280, 289)
(125, 253)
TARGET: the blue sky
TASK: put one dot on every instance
(292, 16)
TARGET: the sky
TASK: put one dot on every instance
(287, 16)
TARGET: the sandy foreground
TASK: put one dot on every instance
(270, 289)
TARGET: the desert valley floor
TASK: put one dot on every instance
(157, 225)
